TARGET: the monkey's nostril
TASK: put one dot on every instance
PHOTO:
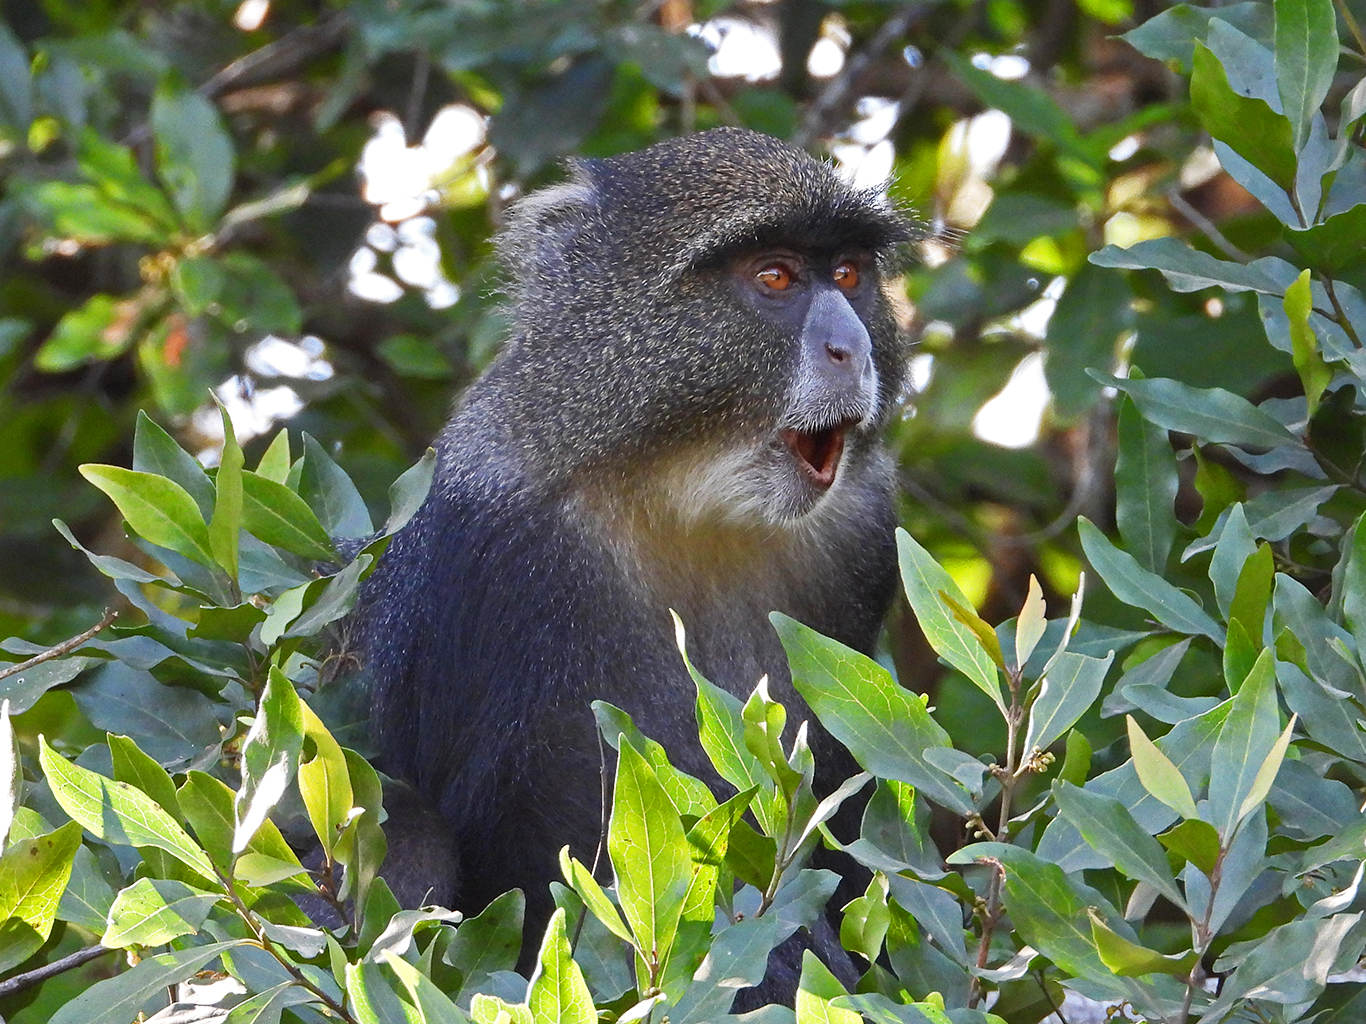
(839, 355)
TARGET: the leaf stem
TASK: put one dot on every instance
(258, 933)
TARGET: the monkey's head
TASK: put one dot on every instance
(706, 319)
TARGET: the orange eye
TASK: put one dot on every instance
(775, 276)
(846, 276)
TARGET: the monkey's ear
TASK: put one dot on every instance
(544, 224)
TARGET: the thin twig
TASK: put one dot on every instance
(280, 58)
(1207, 226)
(258, 934)
(837, 92)
(1352, 25)
(28, 979)
(65, 647)
(422, 71)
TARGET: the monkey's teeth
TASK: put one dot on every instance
(817, 452)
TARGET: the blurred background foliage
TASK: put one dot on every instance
(290, 203)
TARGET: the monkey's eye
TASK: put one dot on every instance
(775, 277)
(846, 275)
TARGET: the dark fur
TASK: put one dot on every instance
(539, 573)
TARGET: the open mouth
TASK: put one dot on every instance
(818, 452)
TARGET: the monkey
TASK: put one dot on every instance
(687, 415)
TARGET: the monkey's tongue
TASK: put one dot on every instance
(817, 452)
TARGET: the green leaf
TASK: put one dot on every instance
(1031, 623)
(270, 756)
(581, 880)
(195, 157)
(1240, 656)
(764, 720)
(134, 767)
(1033, 111)
(114, 170)
(363, 846)
(938, 911)
(33, 875)
(1187, 269)
(927, 585)
(487, 943)
(1266, 774)
(254, 295)
(330, 492)
(986, 636)
(264, 1007)
(1048, 909)
(1245, 742)
(1172, 35)
(116, 812)
(738, 958)
(1159, 776)
(158, 509)
(1134, 585)
(156, 452)
(276, 515)
(114, 568)
(153, 911)
(557, 991)
(885, 727)
(1315, 374)
(720, 728)
(198, 283)
(690, 796)
(1065, 694)
(486, 1009)
(866, 921)
(274, 464)
(1195, 841)
(815, 990)
(100, 329)
(1353, 593)
(1306, 48)
(11, 773)
(1235, 546)
(423, 993)
(16, 84)
(85, 214)
(1252, 596)
(336, 599)
(650, 853)
(1076, 762)
(1211, 414)
(1332, 245)
(1130, 960)
(372, 1000)
(408, 492)
(1111, 830)
(1246, 124)
(1289, 965)
(1145, 489)
(226, 524)
(709, 843)
(324, 782)
(121, 998)
(1083, 333)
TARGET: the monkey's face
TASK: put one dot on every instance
(819, 302)
(779, 378)
(702, 325)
